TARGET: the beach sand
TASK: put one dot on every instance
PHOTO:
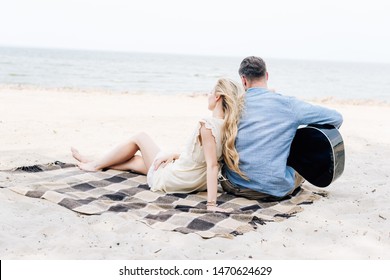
(40, 126)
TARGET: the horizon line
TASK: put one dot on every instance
(190, 54)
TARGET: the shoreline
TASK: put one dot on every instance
(320, 100)
(37, 126)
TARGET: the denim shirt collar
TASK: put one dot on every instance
(256, 90)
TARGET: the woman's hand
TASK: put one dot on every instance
(164, 159)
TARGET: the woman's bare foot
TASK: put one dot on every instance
(88, 166)
(78, 156)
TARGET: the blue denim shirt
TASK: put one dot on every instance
(265, 132)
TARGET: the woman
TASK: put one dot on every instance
(196, 168)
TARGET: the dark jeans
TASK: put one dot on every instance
(229, 187)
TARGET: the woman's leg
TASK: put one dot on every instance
(135, 164)
(124, 154)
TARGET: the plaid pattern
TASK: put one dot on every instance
(128, 193)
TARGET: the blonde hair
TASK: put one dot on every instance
(232, 102)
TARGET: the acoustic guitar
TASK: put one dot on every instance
(317, 154)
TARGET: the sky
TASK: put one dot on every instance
(341, 30)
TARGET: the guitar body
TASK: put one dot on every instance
(317, 154)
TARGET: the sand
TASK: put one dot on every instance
(40, 126)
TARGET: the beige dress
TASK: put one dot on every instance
(188, 173)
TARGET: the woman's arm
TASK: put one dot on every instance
(210, 152)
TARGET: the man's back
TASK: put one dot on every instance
(265, 133)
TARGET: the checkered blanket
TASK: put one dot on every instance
(94, 193)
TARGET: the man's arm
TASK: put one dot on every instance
(307, 113)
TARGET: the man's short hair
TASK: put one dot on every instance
(253, 68)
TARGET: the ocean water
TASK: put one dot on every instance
(186, 74)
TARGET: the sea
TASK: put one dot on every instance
(129, 72)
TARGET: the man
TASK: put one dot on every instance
(265, 133)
